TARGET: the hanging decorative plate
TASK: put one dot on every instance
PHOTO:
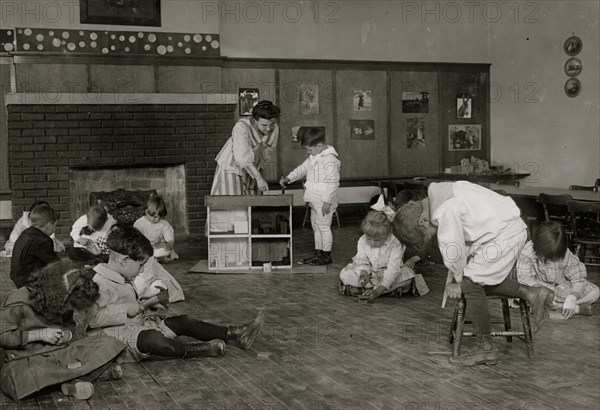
(573, 67)
(573, 45)
(572, 87)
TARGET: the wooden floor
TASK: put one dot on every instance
(320, 350)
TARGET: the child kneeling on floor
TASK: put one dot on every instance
(377, 267)
(41, 345)
(547, 261)
(118, 312)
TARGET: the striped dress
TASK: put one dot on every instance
(242, 158)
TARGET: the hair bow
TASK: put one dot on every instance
(380, 206)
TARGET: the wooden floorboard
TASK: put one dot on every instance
(320, 350)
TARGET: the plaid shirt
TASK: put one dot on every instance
(560, 275)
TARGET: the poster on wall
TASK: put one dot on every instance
(248, 99)
(463, 106)
(362, 129)
(362, 100)
(298, 131)
(464, 137)
(124, 12)
(309, 99)
(415, 102)
(415, 133)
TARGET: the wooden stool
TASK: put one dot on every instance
(458, 321)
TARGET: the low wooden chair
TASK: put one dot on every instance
(585, 228)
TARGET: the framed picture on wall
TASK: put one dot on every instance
(415, 133)
(248, 99)
(415, 102)
(572, 87)
(309, 99)
(120, 12)
(463, 106)
(464, 137)
(573, 46)
(362, 100)
(362, 129)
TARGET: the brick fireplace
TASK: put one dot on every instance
(49, 142)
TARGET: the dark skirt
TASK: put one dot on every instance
(22, 377)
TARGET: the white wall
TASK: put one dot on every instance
(540, 128)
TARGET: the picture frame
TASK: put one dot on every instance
(362, 100)
(120, 12)
(464, 106)
(464, 137)
(309, 99)
(362, 129)
(248, 98)
(573, 46)
(415, 102)
(572, 87)
(573, 67)
(415, 133)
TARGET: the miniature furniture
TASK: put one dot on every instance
(458, 321)
(247, 231)
(585, 229)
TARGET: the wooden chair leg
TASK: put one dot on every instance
(506, 316)
(453, 325)
(526, 327)
(337, 217)
(460, 324)
(306, 216)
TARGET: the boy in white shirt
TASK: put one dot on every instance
(480, 235)
(89, 234)
(322, 172)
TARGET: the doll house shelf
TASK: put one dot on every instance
(247, 231)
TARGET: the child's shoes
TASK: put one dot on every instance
(78, 389)
(112, 372)
(348, 290)
(244, 336)
(214, 348)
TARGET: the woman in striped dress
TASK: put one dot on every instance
(247, 152)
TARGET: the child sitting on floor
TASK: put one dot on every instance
(161, 235)
(118, 312)
(377, 267)
(34, 249)
(89, 234)
(23, 223)
(40, 342)
(546, 261)
(159, 232)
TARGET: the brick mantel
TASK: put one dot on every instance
(47, 140)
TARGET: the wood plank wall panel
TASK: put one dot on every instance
(414, 161)
(362, 157)
(290, 81)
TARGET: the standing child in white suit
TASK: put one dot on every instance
(322, 172)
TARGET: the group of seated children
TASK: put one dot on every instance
(66, 324)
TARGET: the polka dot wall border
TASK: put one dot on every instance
(88, 42)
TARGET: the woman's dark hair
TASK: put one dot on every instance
(58, 288)
(127, 240)
(549, 242)
(266, 110)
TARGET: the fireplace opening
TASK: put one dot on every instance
(124, 191)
